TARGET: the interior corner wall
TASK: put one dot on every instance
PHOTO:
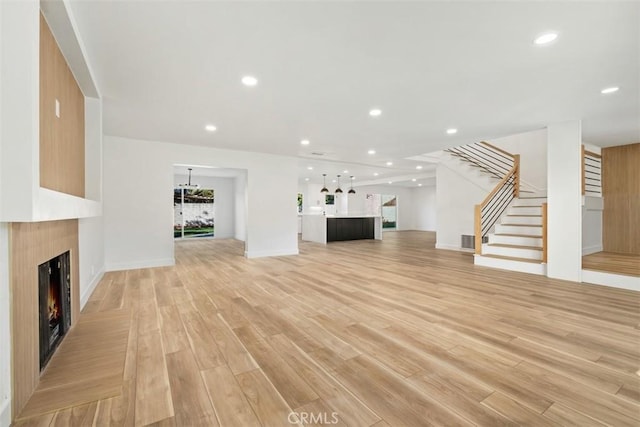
(240, 207)
(458, 190)
(138, 210)
(532, 148)
(224, 202)
(425, 208)
(564, 198)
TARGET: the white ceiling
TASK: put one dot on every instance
(167, 68)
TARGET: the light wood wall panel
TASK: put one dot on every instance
(621, 192)
(31, 245)
(61, 139)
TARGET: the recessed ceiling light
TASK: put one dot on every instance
(345, 171)
(371, 151)
(452, 131)
(545, 38)
(413, 179)
(419, 185)
(306, 179)
(310, 168)
(390, 182)
(210, 128)
(419, 167)
(333, 181)
(376, 174)
(375, 112)
(389, 163)
(304, 142)
(610, 90)
(249, 81)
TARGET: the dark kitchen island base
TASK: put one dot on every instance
(340, 229)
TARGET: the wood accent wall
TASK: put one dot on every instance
(621, 192)
(61, 139)
(31, 244)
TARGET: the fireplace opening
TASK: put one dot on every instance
(55, 304)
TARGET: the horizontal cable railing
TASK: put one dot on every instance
(591, 173)
(484, 156)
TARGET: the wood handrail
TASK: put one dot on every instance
(478, 229)
(544, 232)
(498, 186)
(592, 154)
(493, 147)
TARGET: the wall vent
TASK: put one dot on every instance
(469, 241)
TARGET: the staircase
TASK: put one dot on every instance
(516, 242)
(510, 224)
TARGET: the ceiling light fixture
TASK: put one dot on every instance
(389, 163)
(324, 184)
(610, 90)
(419, 167)
(249, 81)
(304, 142)
(306, 179)
(189, 185)
(210, 128)
(310, 168)
(352, 191)
(375, 112)
(345, 171)
(545, 38)
(413, 179)
(371, 152)
(390, 182)
(376, 174)
(338, 190)
(419, 185)
(452, 131)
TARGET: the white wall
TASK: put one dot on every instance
(138, 176)
(240, 207)
(592, 208)
(458, 189)
(224, 202)
(532, 147)
(564, 198)
(425, 208)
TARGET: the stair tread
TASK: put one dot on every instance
(517, 235)
(505, 245)
(511, 258)
(538, 216)
(522, 225)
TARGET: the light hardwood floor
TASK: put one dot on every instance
(613, 263)
(379, 333)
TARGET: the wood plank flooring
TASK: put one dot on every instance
(613, 263)
(363, 333)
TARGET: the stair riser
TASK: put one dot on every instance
(534, 220)
(529, 210)
(512, 252)
(513, 240)
(538, 201)
(514, 229)
(525, 267)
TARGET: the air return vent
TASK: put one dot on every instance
(469, 241)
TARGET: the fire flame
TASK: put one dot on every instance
(53, 305)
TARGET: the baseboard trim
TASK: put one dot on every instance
(591, 250)
(612, 280)
(119, 266)
(84, 298)
(262, 254)
(453, 248)
(5, 413)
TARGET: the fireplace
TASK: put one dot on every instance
(54, 286)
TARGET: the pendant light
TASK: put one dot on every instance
(352, 191)
(338, 190)
(189, 185)
(324, 184)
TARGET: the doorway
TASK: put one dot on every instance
(389, 212)
(193, 213)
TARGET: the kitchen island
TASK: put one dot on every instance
(334, 228)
